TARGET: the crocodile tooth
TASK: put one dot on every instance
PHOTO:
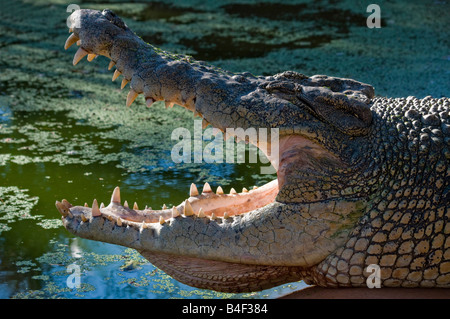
(132, 95)
(86, 205)
(204, 124)
(119, 221)
(233, 191)
(111, 64)
(125, 204)
(66, 203)
(206, 188)
(61, 208)
(255, 187)
(149, 101)
(164, 206)
(95, 209)
(83, 218)
(115, 198)
(135, 206)
(193, 191)
(175, 212)
(161, 220)
(225, 215)
(213, 216)
(219, 191)
(168, 104)
(116, 75)
(79, 42)
(102, 205)
(143, 225)
(91, 56)
(81, 53)
(70, 41)
(244, 190)
(201, 213)
(124, 82)
(188, 211)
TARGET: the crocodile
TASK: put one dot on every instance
(362, 180)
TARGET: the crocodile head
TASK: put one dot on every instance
(318, 133)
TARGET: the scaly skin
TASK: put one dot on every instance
(361, 180)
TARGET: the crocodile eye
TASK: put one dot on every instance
(114, 19)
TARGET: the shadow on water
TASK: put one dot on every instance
(315, 24)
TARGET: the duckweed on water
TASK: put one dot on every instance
(15, 205)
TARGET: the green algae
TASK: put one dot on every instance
(15, 205)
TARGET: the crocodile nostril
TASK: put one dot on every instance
(113, 18)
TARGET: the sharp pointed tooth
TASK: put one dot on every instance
(149, 101)
(81, 53)
(66, 203)
(143, 225)
(125, 204)
(119, 221)
(164, 207)
(146, 207)
(213, 216)
(116, 75)
(233, 191)
(124, 82)
(161, 220)
(91, 56)
(70, 41)
(70, 30)
(204, 124)
(132, 95)
(95, 209)
(86, 205)
(83, 218)
(255, 187)
(61, 208)
(201, 213)
(111, 64)
(206, 188)
(168, 104)
(115, 198)
(79, 42)
(188, 211)
(175, 212)
(135, 206)
(245, 190)
(102, 205)
(219, 191)
(226, 215)
(193, 191)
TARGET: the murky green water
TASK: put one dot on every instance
(65, 131)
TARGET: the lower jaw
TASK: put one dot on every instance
(223, 276)
(205, 204)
